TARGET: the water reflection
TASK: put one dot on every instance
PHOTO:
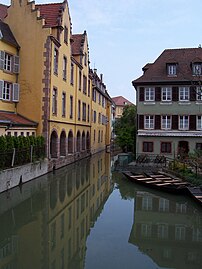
(167, 228)
(45, 223)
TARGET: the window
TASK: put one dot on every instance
(172, 69)
(149, 122)
(85, 58)
(66, 34)
(184, 93)
(7, 91)
(71, 107)
(79, 109)
(84, 111)
(55, 63)
(99, 99)
(72, 74)
(89, 87)
(84, 84)
(184, 123)
(199, 123)
(88, 114)
(94, 117)
(79, 80)
(199, 146)
(199, 93)
(63, 104)
(64, 68)
(94, 95)
(166, 94)
(166, 122)
(54, 101)
(197, 69)
(165, 147)
(149, 94)
(8, 62)
(148, 146)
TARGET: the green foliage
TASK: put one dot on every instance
(22, 146)
(125, 129)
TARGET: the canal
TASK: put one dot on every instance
(84, 216)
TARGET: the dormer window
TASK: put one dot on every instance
(172, 69)
(197, 69)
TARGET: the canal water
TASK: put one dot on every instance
(85, 216)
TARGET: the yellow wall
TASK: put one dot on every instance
(28, 31)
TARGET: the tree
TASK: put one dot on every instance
(125, 129)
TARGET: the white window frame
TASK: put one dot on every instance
(199, 122)
(63, 104)
(7, 90)
(184, 93)
(184, 122)
(166, 122)
(166, 94)
(8, 61)
(149, 94)
(199, 93)
(55, 62)
(172, 69)
(64, 68)
(197, 69)
(148, 122)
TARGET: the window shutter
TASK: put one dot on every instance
(16, 64)
(141, 94)
(141, 121)
(175, 93)
(175, 122)
(192, 93)
(1, 89)
(192, 122)
(157, 122)
(2, 57)
(16, 90)
(158, 94)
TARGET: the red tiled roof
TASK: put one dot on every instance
(3, 11)
(77, 43)
(15, 119)
(157, 71)
(121, 101)
(51, 13)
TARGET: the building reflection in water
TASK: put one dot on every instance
(45, 224)
(168, 229)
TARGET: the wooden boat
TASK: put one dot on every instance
(161, 182)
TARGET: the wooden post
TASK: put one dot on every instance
(13, 158)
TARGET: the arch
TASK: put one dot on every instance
(88, 140)
(62, 188)
(70, 142)
(53, 194)
(78, 141)
(83, 141)
(63, 144)
(54, 144)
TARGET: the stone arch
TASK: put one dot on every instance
(88, 140)
(63, 143)
(78, 141)
(83, 141)
(54, 144)
(70, 142)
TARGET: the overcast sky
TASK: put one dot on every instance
(124, 35)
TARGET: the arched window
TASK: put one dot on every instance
(70, 142)
(88, 140)
(78, 142)
(83, 141)
(63, 144)
(54, 145)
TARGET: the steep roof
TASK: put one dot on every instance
(15, 119)
(51, 13)
(77, 43)
(121, 101)
(7, 35)
(3, 11)
(157, 72)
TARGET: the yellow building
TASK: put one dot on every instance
(56, 82)
(11, 122)
(120, 102)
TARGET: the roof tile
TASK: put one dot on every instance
(15, 119)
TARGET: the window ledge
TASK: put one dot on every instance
(184, 103)
(149, 103)
(165, 103)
